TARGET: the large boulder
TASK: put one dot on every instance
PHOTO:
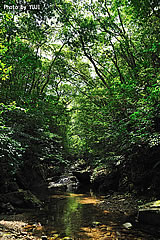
(21, 199)
(150, 213)
(105, 180)
(57, 187)
(83, 176)
(65, 183)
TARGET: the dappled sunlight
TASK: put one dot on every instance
(60, 196)
(90, 200)
(99, 233)
(106, 212)
(76, 216)
(9, 224)
(76, 195)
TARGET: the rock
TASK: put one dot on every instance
(57, 186)
(22, 199)
(149, 213)
(127, 225)
(149, 216)
(96, 224)
(13, 186)
(65, 183)
(7, 207)
(105, 180)
(83, 176)
(55, 236)
(44, 238)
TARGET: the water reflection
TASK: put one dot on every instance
(78, 217)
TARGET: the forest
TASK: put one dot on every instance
(80, 87)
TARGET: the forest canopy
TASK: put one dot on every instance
(78, 79)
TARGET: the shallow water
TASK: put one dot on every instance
(78, 216)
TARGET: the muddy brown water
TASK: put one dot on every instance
(78, 217)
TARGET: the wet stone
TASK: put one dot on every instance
(127, 225)
(67, 238)
(44, 238)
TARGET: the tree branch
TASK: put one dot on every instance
(50, 68)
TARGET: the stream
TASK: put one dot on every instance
(78, 217)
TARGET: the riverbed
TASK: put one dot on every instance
(70, 216)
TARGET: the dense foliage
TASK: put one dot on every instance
(78, 78)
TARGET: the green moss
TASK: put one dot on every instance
(30, 197)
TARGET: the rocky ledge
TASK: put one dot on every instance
(149, 213)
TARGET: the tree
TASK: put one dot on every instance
(87, 75)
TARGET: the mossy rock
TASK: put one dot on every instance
(22, 199)
(30, 198)
(66, 238)
(153, 204)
